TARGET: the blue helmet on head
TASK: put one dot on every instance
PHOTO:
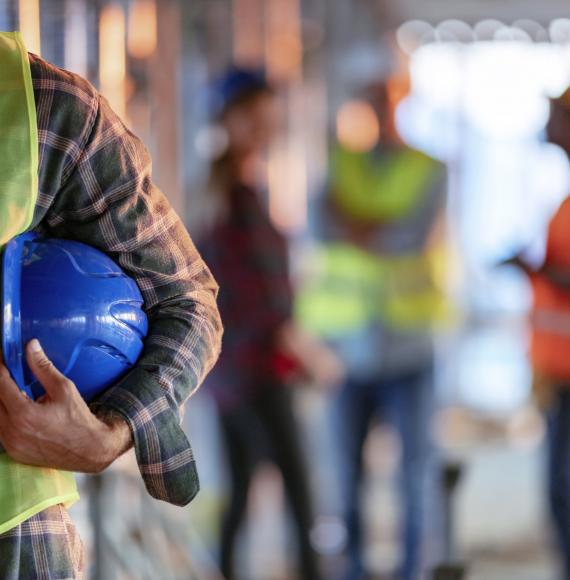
(234, 84)
(78, 303)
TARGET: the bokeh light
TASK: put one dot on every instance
(112, 64)
(141, 37)
(29, 12)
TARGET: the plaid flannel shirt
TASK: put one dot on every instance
(95, 187)
(249, 258)
(44, 547)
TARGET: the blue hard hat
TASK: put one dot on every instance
(85, 311)
(234, 84)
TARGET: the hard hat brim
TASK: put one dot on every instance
(12, 347)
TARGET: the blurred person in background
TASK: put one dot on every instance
(550, 344)
(262, 346)
(375, 293)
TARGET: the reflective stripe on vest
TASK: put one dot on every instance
(342, 291)
(349, 289)
(551, 321)
(24, 490)
(415, 298)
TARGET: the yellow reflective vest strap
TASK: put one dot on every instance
(381, 188)
(415, 297)
(349, 289)
(342, 290)
(18, 138)
(24, 490)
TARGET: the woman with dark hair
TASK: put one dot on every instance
(261, 345)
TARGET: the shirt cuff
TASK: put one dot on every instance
(164, 455)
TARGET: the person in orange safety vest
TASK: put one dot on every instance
(550, 344)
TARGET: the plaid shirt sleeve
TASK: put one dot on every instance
(96, 187)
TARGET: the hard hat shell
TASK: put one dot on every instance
(85, 311)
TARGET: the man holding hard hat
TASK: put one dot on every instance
(69, 169)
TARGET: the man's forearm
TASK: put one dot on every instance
(118, 436)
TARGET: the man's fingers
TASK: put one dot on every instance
(11, 397)
(3, 417)
(54, 383)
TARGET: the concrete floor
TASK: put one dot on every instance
(501, 529)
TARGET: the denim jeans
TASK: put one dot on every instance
(406, 402)
(558, 423)
(267, 420)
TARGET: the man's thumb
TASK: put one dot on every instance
(54, 382)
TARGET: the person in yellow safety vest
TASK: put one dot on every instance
(550, 339)
(69, 168)
(374, 289)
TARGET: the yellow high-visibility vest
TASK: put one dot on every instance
(377, 189)
(24, 490)
(415, 292)
(349, 287)
(343, 291)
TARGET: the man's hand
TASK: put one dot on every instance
(58, 430)
(317, 361)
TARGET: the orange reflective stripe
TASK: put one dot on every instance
(551, 321)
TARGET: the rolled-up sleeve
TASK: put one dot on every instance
(108, 200)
